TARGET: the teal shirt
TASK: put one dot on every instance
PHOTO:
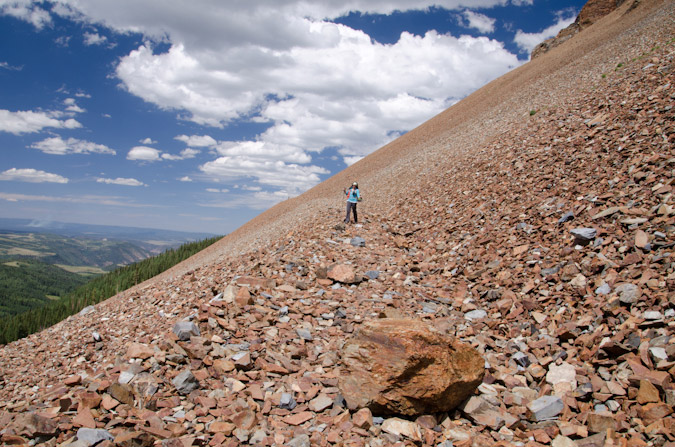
(353, 195)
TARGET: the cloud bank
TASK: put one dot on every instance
(313, 83)
(31, 176)
(28, 121)
(59, 146)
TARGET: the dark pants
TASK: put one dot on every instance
(351, 206)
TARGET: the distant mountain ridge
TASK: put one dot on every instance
(171, 237)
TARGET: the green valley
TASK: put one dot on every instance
(35, 295)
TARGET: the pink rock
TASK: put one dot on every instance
(343, 273)
(139, 351)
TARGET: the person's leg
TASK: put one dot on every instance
(348, 211)
(356, 220)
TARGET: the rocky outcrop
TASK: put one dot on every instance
(592, 11)
(405, 366)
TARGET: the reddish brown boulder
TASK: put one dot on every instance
(405, 366)
(139, 351)
(243, 297)
(32, 425)
(343, 273)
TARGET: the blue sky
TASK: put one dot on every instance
(198, 115)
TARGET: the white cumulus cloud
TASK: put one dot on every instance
(72, 107)
(26, 10)
(479, 21)
(184, 155)
(143, 153)
(27, 121)
(59, 146)
(527, 41)
(290, 178)
(31, 176)
(94, 39)
(121, 181)
(314, 83)
(351, 160)
(197, 140)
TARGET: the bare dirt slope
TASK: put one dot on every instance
(469, 223)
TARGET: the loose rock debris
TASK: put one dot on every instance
(575, 328)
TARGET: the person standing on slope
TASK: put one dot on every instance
(353, 197)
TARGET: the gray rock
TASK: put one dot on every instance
(658, 354)
(304, 334)
(185, 329)
(584, 235)
(628, 293)
(546, 407)
(358, 241)
(96, 336)
(185, 382)
(372, 274)
(93, 436)
(653, 315)
(320, 403)
(126, 377)
(87, 310)
(241, 434)
(287, 402)
(257, 437)
(429, 308)
(550, 271)
(299, 441)
(566, 217)
(475, 315)
(604, 289)
(521, 359)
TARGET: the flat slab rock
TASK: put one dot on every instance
(405, 366)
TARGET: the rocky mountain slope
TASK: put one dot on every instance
(534, 220)
(592, 11)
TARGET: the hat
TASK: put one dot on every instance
(355, 184)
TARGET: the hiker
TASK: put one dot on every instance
(353, 196)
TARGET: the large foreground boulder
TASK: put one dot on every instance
(405, 366)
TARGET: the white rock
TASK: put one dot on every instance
(401, 427)
(563, 373)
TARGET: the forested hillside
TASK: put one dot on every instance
(28, 283)
(97, 290)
